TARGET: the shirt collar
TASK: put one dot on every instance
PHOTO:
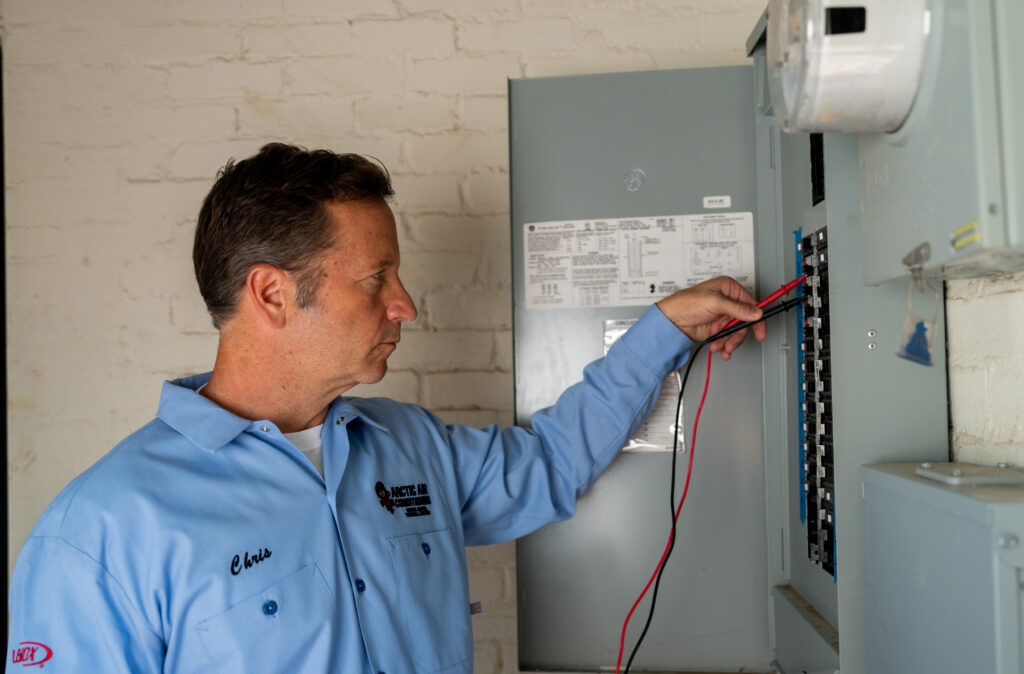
(209, 426)
(347, 408)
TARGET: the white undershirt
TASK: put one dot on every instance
(308, 442)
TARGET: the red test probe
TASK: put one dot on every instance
(784, 290)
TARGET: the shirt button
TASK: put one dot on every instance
(269, 607)
(341, 420)
(360, 585)
(264, 428)
(426, 549)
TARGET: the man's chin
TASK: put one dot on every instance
(374, 375)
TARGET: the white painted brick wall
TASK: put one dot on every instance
(118, 114)
(985, 320)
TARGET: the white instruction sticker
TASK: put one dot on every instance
(632, 261)
(658, 430)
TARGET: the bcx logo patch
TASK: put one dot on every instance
(30, 654)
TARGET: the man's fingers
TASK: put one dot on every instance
(745, 312)
(733, 308)
(760, 331)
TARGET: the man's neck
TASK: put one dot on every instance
(242, 386)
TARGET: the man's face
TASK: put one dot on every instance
(355, 322)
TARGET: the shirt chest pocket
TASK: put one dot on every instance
(274, 630)
(432, 584)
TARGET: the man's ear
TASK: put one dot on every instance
(271, 292)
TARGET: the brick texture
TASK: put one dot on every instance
(986, 334)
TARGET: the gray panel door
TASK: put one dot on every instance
(574, 141)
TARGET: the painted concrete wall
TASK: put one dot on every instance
(118, 114)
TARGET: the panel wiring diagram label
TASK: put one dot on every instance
(719, 243)
(632, 261)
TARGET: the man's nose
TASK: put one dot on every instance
(402, 308)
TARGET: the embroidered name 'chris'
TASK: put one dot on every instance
(238, 563)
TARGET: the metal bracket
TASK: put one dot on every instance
(914, 261)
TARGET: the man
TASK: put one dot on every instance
(265, 523)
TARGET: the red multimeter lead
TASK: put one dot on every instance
(784, 290)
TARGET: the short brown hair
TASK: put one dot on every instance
(271, 208)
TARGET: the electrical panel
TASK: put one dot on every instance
(839, 382)
(775, 516)
(606, 170)
(837, 395)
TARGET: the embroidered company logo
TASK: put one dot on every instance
(31, 654)
(414, 498)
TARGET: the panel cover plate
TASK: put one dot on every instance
(969, 474)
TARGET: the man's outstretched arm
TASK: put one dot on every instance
(514, 480)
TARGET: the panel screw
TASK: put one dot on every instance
(872, 333)
(872, 346)
(1007, 541)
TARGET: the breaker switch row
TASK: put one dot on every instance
(816, 374)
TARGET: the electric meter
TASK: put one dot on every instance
(837, 65)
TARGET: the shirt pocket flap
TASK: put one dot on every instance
(432, 583)
(275, 628)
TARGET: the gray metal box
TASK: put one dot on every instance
(943, 565)
(576, 146)
(948, 186)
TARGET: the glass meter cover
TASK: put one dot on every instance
(845, 66)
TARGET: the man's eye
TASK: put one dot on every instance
(377, 276)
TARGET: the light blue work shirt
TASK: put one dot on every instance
(208, 543)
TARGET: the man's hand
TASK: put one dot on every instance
(704, 309)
